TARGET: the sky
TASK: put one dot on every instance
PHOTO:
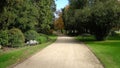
(61, 4)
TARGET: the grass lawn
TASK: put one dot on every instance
(107, 51)
(18, 55)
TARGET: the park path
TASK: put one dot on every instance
(66, 52)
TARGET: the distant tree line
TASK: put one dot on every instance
(96, 17)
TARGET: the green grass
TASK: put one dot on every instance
(107, 51)
(15, 56)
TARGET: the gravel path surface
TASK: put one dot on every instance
(66, 52)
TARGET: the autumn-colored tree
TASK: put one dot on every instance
(59, 24)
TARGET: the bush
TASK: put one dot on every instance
(16, 38)
(31, 35)
(3, 38)
(42, 38)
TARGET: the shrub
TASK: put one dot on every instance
(42, 38)
(16, 38)
(31, 35)
(3, 37)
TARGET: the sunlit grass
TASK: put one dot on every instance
(107, 51)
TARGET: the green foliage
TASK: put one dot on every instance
(16, 38)
(94, 17)
(31, 35)
(103, 17)
(20, 14)
(82, 18)
(27, 15)
(46, 15)
(42, 38)
(3, 37)
(78, 4)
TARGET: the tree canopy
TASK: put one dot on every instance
(27, 14)
(96, 17)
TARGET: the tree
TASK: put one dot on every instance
(27, 15)
(68, 19)
(97, 17)
(103, 18)
(78, 4)
(20, 14)
(59, 24)
(46, 15)
(70, 16)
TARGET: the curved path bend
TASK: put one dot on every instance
(66, 52)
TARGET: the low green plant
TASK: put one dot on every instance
(3, 37)
(42, 38)
(16, 38)
(31, 35)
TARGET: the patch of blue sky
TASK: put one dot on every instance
(61, 4)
